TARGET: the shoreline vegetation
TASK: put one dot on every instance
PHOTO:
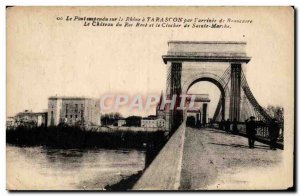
(70, 137)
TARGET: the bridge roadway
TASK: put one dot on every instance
(211, 159)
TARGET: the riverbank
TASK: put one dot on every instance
(76, 137)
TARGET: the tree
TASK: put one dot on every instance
(110, 119)
(276, 112)
(133, 121)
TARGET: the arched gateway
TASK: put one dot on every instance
(218, 62)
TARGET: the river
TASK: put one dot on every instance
(39, 168)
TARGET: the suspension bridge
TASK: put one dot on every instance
(196, 158)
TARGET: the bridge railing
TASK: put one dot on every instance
(262, 129)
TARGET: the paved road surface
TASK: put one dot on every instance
(213, 159)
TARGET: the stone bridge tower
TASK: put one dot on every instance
(220, 63)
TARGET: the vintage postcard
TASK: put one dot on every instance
(150, 98)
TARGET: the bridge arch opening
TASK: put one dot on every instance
(194, 87)
(210, 90)
(208, 79)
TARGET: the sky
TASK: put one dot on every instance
(46, 57)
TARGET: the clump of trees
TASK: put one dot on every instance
(110, 119)
(133, 121)
(276, 112)
(65, 137)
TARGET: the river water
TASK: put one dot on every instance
(38, 168)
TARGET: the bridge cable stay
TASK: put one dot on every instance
(218, 109)
(225, 78)
(168, 80)
(247, 109)
(250, 106)
(260, 113)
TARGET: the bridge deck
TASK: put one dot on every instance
(213, 159)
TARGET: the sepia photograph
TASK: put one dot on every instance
(153, 98)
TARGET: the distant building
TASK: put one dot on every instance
(121, 122)
(200, 115)
(161, 123)
(31, 119)
(148, 122)
(73, 111)
(153, 122)
(10, 122)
